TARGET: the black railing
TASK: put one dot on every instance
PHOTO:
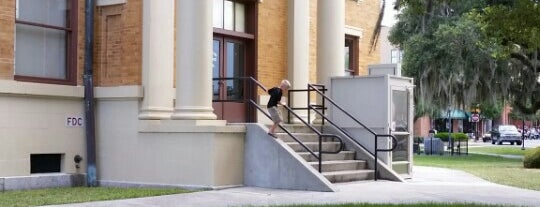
(249, 81)
(290, 93)
(316, 108)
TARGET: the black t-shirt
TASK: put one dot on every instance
(275, 96)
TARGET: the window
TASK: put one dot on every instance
(396, 56)
(351, 55)
(229, 15)
(45, 163)
(45, 43)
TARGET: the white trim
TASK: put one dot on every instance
(109, 2)
(11, 87)
(354, 31)
(119, 92)
(189, 126)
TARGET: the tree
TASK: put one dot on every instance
(442, 54)
(515, 26)
(462, 52)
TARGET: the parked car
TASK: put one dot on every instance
(505, 133)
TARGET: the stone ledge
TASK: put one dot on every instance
(189, 126)
(110, 2)
(38, 181)
(16, 88)
(126, 184)
(119, 92)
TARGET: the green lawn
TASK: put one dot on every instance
(394, 205)
(77, 195)
(512, 150)
(494, 169)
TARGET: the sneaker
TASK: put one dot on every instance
(272, 135)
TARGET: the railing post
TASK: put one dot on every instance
(376, 158)
(309, 108)
(323, 107)
(320, 154)
(288, 104)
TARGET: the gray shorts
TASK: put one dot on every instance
(275, 114)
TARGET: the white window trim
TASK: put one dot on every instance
(354, 31)
(110, 2)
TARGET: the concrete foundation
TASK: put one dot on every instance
(270, 163)
(42, 181)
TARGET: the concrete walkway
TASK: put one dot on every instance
(429, 185)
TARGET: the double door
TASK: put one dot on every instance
(229, 61)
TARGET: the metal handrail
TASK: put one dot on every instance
(313, 87)
(290, 92)
(284, 129)
(321, 135)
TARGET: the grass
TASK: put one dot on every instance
(395, 205)
(514, 150)
(77, 195)
(491, 168)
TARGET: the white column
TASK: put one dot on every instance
(194, 32)
(298, 51)
(157, 59)
(330, 39)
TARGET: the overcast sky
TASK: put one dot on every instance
(389, 14)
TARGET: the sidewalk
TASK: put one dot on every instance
(428, 185)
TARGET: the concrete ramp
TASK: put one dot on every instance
(270, 163)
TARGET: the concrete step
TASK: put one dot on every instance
(304, 137)
(295, 128)
(343, 155)
(349, 175)
(340, 165)
(314, 146)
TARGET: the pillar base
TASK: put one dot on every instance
(194, 114)
(155, 113)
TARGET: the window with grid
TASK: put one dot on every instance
(44, 41)
(396, 56)
(230, 15)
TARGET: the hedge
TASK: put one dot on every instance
(532, 159)
(455, 136)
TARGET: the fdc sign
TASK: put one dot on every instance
(74, 121)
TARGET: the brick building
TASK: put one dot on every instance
(154, 64)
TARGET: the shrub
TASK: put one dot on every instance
(532, 158)
(455, 136)
(419, 139)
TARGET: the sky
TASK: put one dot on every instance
(389, 14)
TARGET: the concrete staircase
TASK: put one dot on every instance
(341, 167)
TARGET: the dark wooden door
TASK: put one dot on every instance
(229, 61)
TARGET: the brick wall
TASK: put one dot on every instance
(361, 15)
(118, 44)
(7, 26)
(80, 43)
(422, 126)
(364, 15)
(272, 42)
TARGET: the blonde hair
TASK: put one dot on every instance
(286, 83)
